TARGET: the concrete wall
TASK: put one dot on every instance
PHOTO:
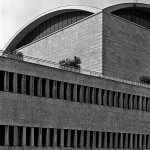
(126, 48)
(83, 39)
(20, 109)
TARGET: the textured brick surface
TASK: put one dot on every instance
(126, 48)
(19, 109)
(83, 39)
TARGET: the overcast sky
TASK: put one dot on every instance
(16, 13)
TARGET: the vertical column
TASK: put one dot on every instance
(131, 141)
(126, 141)
(82, 139)
(148, 105)
(62, 138)
(144, 142)
(69, 139)
(88, 95)
(47, 137)
(131, 102)
(81, 94)
(99, 97)
(105, 98)
(24, 137)
(6, 143)
(88, 139)
(62, 90)
(139, 141)
(32, 137)
(15, 83)
(135, 141)
(75, 139)
(6, 81)
(23, 84)
(31, 85)
(121, 141)
(105, 140)
(69, 91)
(116, 140)
(110, 99)
(94, 140)
(54, 89)
(140, 103)
(126, 101)
(47, 91)
(100, 140)
(116, 99)
(15, 136)
(121, 100)
(93, 96)
(39, 92)
(144, 104)
(40, 138)
(75, 93)
(55, 138)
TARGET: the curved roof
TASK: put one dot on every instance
(19, 35)
(141, 6)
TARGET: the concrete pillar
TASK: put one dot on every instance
(54, 89)
(62, 138)
(105, 98)
(131, 141)
(105, 140)
(131, 102)
(88, 139)
(75, 140)
(148, 105)
(144, 104)
(135, 141)
(6, 142)
(62, 90)
(135, 102)
(93, 96)
(23, 84)
(121, 100)
(15, 136)
(144, 142)
(139, 143)
(81, 94)
(88, 95)
(140, 103)
(69, 138)
(110, 98)
(121, 141)
(31, 85)
(32, 137)
(94, 140)
(24, 137)
(55, 138)
(69, 91)
(47, 90)
(100, 140)
(75, 93)
(15, 88)
(126, 101)
(47, 138)
(40, 137)
(116, 140)
(99, 97)
(82, 139)
(126, 141)
(6, 81)
(116, 104)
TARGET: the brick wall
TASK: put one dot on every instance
(126, 48)
(83, 39)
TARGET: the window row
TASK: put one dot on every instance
(42, 87)
(52, 137)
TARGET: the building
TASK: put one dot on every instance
(47, 108)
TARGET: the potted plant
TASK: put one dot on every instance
(68, 64)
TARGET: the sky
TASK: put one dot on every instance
(16, 13)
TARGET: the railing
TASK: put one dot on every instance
(57, 65)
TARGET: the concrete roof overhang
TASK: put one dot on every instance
(20, 34)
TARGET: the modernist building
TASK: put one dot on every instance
(48, 108)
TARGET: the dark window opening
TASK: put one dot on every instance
(65, 90)
(51, 137)
(72, 92)
(36, 136)
(11, 77)
(2, 74)
(36, 79)
(58, 89)
(85, 138)
(96, 96)
(103, 139)
(58, 137)
(19, 83)
(28, 136)
(44, 132)
(51, 88)
(78, 138)
(11, 135)
(102, 97)
(108, 139)
(20, 135)
(72, 137)
(28, 84)
(2, 135)
(97, 139)
(65, 137)
(43, 87)
(91, 139)
(78, 92)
